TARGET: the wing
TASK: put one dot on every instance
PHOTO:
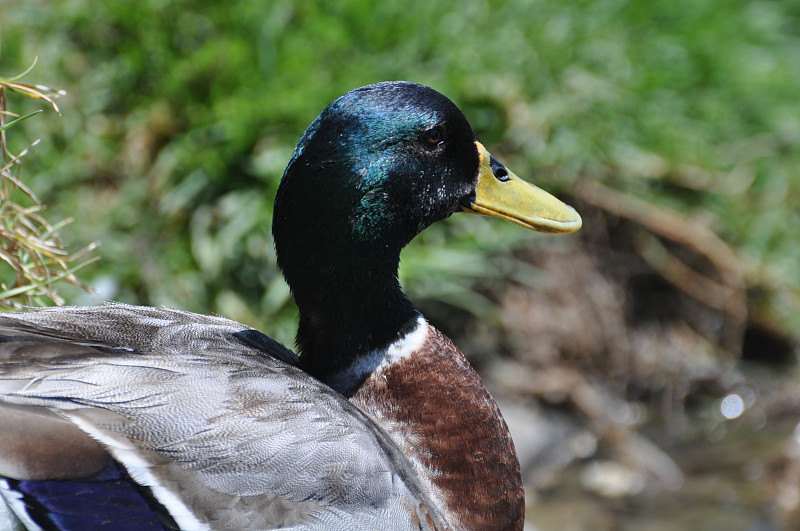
(200, 412)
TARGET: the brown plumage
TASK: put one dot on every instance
(436, 406)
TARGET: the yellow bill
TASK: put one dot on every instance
(502, 194)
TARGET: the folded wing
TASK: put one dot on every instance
(222, 432)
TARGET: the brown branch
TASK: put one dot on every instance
(727, 295)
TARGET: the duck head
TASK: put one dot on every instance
(374, 169)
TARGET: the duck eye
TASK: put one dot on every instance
(500, 172)
(433, 136)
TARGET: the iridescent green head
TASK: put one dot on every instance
(380, 164)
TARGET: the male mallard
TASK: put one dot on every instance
(144, 418)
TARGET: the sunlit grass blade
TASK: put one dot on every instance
(18, 120)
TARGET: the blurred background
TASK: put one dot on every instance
(647, 365)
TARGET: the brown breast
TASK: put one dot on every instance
(436, 407)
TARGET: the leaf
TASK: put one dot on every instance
(12, 122)
(23, 74)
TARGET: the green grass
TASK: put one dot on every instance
(181, 115)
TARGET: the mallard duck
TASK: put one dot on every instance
(127, 417)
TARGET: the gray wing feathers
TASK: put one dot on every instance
(235, 438)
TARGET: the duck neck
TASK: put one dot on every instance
(349, 311)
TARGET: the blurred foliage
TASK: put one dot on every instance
(32, 257)
(183, 114)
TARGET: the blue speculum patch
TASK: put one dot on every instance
(107, 500)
